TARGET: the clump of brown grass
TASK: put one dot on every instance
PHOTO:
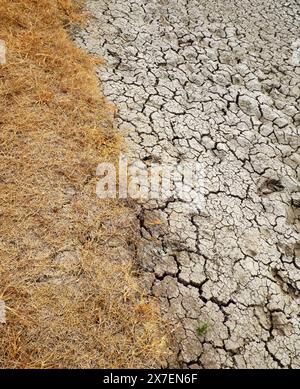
(65, 270)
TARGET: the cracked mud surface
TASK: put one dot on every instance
(215, 82)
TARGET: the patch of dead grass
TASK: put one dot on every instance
(71, 298)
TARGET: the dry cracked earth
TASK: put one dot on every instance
(215, 82)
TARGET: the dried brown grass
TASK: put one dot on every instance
(65, 270)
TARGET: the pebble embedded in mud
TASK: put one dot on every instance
(2, 312)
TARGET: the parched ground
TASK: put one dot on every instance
(69, 297)
(215, 82)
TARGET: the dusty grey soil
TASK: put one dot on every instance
(215, 82)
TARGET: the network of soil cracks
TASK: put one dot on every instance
(217, 83)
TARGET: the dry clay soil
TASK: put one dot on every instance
(217, 83)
